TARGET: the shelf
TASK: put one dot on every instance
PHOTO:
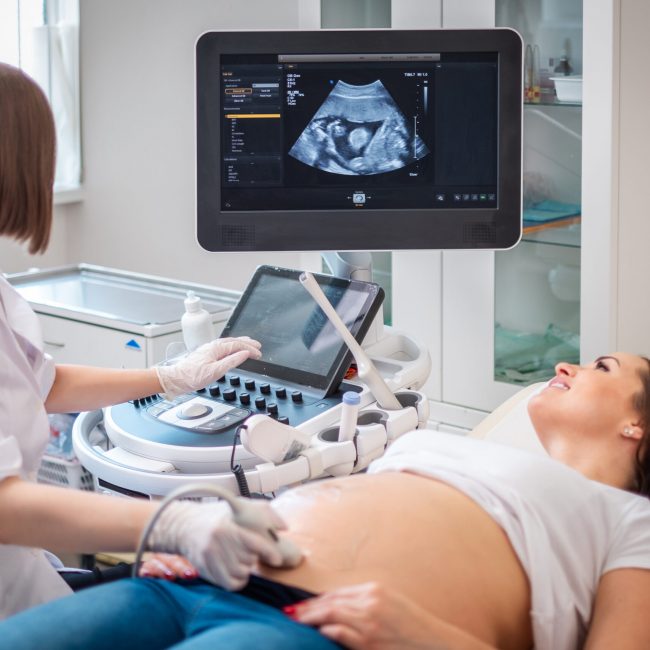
(550, 225)
(549, 99)
(563, 232)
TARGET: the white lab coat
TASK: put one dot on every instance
(26, 377)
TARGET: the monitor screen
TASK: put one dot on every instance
(358, 140)
(299, 345)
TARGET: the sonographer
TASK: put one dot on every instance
(34, 515)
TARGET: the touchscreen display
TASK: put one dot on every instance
(298, 342)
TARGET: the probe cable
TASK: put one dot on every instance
(237, 469)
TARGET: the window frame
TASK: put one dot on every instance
(42, 38)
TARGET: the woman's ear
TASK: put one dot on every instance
(633, 431)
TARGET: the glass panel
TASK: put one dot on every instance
(9, 41)
(553, 30)
(347, 14)
(537, 315)
(537, 283)
(62, 42)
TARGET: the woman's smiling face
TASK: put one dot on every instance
(589, 401)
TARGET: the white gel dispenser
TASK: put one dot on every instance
(196, 323)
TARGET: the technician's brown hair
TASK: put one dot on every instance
(27, 158)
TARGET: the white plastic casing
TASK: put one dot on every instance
(271, 440)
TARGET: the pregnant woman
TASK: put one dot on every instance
(474, 545)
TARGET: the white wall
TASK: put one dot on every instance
(634, 167)
(137, 78)
(616, 218)
(14, 257)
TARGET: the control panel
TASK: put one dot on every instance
(210, 416)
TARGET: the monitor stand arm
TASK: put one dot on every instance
(391, 350)
(353, 265)
(356, 265)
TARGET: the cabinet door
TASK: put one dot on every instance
(468, 331)
(70, 341)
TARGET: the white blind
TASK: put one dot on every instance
(42, 38)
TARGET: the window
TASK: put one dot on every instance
(42, 38)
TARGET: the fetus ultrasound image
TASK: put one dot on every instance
(358, 131)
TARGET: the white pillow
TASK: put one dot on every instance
(510, 423)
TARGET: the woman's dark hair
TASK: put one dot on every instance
(27, 158)
(642, 464)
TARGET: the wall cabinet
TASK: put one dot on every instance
(503, 318)
(596, 158)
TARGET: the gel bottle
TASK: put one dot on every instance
(196, 323)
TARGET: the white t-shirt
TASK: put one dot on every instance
(566, 529)
(26, 377)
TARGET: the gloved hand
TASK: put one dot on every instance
(223, 552)
(206, 364)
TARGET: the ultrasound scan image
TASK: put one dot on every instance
(358, 131)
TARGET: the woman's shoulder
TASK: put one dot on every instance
(629, 506)
(9, 297)
(21, 339)
(630, 517)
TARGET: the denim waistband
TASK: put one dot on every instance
(272, 593)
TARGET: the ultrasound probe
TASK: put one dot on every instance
(365, 368)
(243, 515)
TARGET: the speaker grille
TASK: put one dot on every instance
(479, 234)
(238, 236)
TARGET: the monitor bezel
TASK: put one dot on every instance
(353, 229)
(323, 384)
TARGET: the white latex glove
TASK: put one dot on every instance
(223, 552)
(206, 364)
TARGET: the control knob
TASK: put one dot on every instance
(193, 410)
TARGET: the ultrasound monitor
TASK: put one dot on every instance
(358, 140)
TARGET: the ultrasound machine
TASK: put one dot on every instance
(323, 141)
(292, 394)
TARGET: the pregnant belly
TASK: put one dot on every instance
(417, 536)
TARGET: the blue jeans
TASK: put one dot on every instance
(147, 614)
